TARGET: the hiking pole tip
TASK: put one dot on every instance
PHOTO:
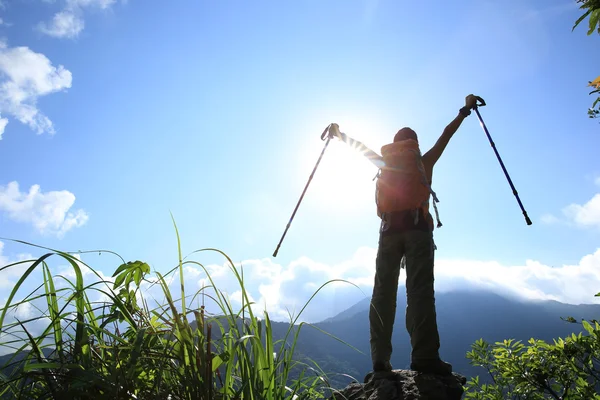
(482, 103)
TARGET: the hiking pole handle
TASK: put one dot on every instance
(527, 220)
(481, 102)
(332, 130)
(323, 136)
(325, 132)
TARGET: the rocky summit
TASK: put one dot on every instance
(404, 385)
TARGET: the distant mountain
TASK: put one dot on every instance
(463, 317)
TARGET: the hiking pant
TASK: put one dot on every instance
(418, 248)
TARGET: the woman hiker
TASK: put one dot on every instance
(406, 238)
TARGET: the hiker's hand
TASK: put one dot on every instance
(334, 131)
(471, 101)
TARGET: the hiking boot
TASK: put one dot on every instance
(381, 370)
(434, 366)
(382, 366)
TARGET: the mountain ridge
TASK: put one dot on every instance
(463, 317)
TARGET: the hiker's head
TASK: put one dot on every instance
(405, 133)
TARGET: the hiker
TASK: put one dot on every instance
(406, 240)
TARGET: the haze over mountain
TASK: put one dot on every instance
(463, 317)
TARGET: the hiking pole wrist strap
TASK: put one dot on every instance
(464, 112)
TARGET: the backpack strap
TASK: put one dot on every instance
(428, 186)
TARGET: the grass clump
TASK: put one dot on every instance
(120, 347)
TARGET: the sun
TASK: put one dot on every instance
(344, 177)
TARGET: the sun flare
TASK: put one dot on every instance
(343, 178)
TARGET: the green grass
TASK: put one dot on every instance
(122, 348)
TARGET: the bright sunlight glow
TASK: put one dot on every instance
(344, 177)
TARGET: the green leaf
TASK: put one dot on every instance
(121, 268)
(588, 327)
(131, 271)
(137, 276)
(594, 17)
(581, 19)
(218, 360)
(129, 278)
(581, 382)
(119, 280)
(49, 365)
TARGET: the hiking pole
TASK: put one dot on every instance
(325, 133)
(482, 103)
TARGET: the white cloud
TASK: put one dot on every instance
(24, 77)
(103, 4)
(96, 279)
(3, 123)
(583, 216)
(48, 212)
(191, 272)
(8, 276)
(86, 272)
(278, 288)
(587, 215)
(238, 295)
(573, 284)
(549, 219)
(282, 288)
(32, 310)
(68, 23)
(24, 311)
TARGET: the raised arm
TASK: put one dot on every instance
(375, 158)
(433, 155)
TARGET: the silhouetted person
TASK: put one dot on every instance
(406, 237)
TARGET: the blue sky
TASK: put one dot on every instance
(116, 113)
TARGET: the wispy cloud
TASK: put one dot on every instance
(64, 24)
(49, 213)
(25, 76)
(69, 22)
(29, 313)
(9, 275)
(549, 219)
(573, 284)
(3, 123)
(585, 215)
(284, 289)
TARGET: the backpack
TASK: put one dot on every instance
(402, 183)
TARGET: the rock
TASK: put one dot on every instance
(404, 385)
